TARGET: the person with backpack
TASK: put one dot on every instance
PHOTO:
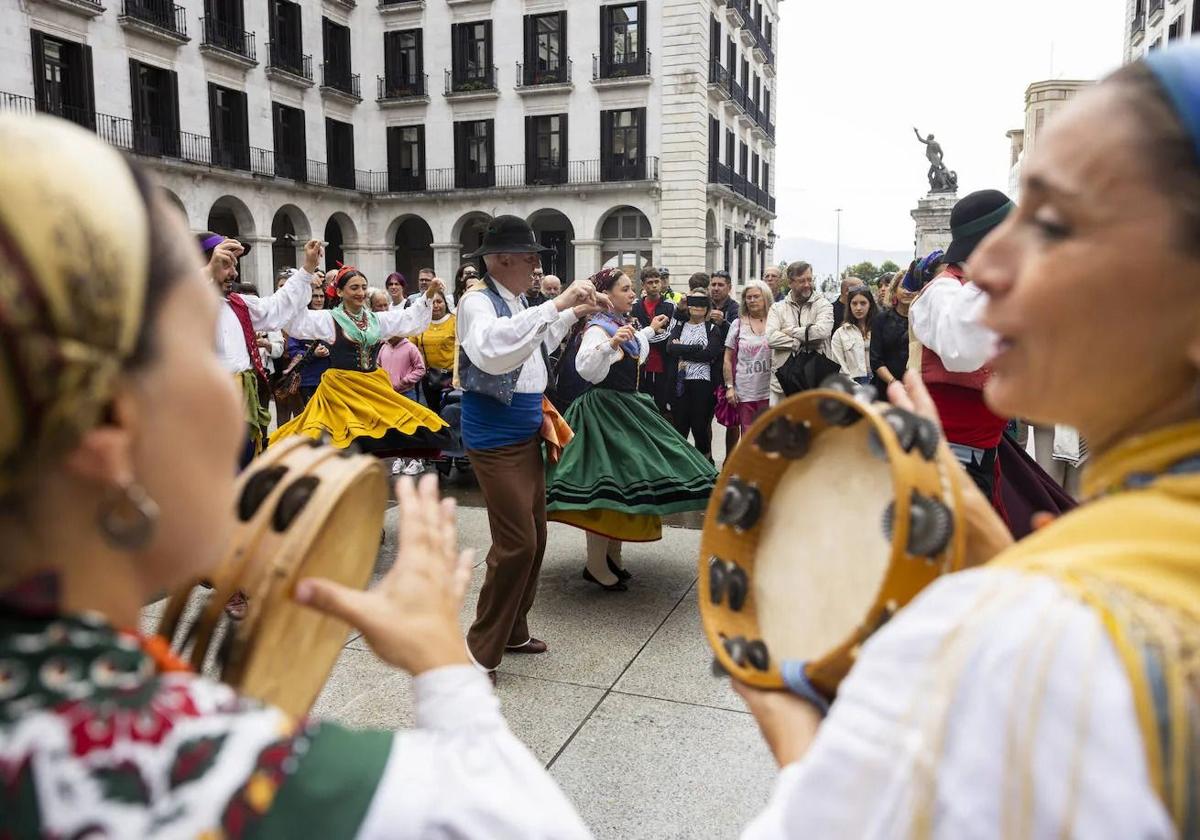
(626, 467)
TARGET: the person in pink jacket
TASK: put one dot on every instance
(405, 367)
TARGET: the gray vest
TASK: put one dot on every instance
(502, 386)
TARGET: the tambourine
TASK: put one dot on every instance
(303, 510)
(831, 514)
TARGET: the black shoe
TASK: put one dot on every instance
(619, 586)
(621, 573)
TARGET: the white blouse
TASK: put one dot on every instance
(849, 349)
(596, 354)
(992, 706)
(318, 323)
(266, 314)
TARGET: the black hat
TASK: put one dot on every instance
(973, 218)
(509, 235)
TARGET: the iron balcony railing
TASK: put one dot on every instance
(340, 78)
(1139, 24)
(717, 74)
(1156, 6)
(471, 80)
(741, 7)
(725, 175)
(163, 14)
(220, 34)
(402, 87)
(621, 67)
(288, 58)
(533, 74)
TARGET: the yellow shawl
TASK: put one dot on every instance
(1133, 555)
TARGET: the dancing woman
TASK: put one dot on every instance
(355, 401)
(626, 467)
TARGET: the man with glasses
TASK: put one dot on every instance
(424, 277)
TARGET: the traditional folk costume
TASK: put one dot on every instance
(626, 467)
(355, 401)
(1053, 692)
(104, 733)
(502, 369)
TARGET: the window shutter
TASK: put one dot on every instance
(324, 43)
(391, 59)
(565, 147)
(487, 35)
(562, 42)
(219, 143)
(87, 87)
(39, 68)
(605, 35)
(393, 155)
(135, 110)
(274, 13)
(171, 140)
(530, 50)
(642, 159)
(531, 173)
(456, 53)
(643, 55)
(346, 55)
(606, 145)
(419, 162)
(460, 152)
(419, 70)
(241, 136)
(490, 125)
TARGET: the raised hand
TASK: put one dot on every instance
(622, 335)
(659, 323)
(579, 292)
(435, 285)
(314, 249)
(409, 618)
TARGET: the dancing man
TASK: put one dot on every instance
(242, 317)
(502, 369)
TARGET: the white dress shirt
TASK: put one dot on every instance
(266, 313)
(460, 772)
(992, 706)
(318, 323)
(945, 318)
(597, 355)
(416, 295)
(501, 345)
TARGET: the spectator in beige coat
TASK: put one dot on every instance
(802, 316)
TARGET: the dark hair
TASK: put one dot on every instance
(170, 261)
(650, 272)
(345, 274)
(428, 271)
(1171, 152)
(872, 309)
(721, 275)
(246, 289)
(699, 280)
(797, 268)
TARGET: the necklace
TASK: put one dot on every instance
(360, 320)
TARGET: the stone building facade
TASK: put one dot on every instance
(627, 133)
(1042, 101)
(1152, 24)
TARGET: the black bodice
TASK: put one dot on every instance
(345, 354)
(622, 376)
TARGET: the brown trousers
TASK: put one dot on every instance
(513, 481)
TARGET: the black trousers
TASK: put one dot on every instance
(433, 397)
(655, 385)
(693, 413)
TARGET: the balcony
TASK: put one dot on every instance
(1138, 28)
(339, 83)
(532, 79)
(227, 43)
(718, 80)
(83, 8)
(285, 63)
(159, 19)
(503, 177)
(725, 178)
(737, 12)
(471, 83)
(399, 9)
(1156, 11)
(632, 71)
(401, 91)
(27, 105)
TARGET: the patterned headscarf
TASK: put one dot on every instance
(74, 254)
(605, 279)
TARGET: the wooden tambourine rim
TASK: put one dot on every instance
(906, 574)
(284, 566)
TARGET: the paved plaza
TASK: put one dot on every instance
(623, 709)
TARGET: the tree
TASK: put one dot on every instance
(866, 271)
(889, 267)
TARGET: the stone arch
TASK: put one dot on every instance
(411, 238)
(625, 233)
(290, 229)
(174, 199)
(554, 230)
(341, 234)
(468, 230)
(229, 216)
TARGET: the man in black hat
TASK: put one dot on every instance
(502, 367)
(945, 320)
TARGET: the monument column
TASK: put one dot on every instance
(932, 218)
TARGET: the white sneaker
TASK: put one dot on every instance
(414, 467)
(397, 466)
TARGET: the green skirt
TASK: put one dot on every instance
(625, 468)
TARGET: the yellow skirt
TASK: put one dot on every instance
(354, 407)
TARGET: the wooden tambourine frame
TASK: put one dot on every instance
(303, 510)
(925, 522)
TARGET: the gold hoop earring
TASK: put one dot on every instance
(128, 517)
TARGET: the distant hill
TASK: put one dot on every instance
(823, 255)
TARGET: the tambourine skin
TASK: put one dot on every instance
(303, 510)
(925, 543)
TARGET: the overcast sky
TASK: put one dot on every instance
(855, 77)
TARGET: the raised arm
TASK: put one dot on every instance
(276, 311)
(408, 321)
(945, 318)
(500, 345)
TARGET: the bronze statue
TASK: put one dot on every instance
(940, 178)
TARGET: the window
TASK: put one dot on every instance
(766, 177)
(626, 224)
(62, 79)
(472, 56)
(286, 47)
(766, 108)
(474, 153)
(731, 59)
(546, 149)
(714, 148)
(228, 128)
(291, 150)
(223, 25)
(545, 49)
(730, 146)
(623, 40)
(406, 158)
(403, 63)
(754, 169)
(1196, 17)
(622, 145)
(714, 39)
(757, 92)
(155, 97)
(727, 250)
(339, 152)
(744, 160)
(336, 41)
(1175, 32)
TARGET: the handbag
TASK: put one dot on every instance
(726, 414)
(438, 379)
(805, 369)
(287, 384)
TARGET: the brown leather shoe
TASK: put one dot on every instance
(532, 646)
